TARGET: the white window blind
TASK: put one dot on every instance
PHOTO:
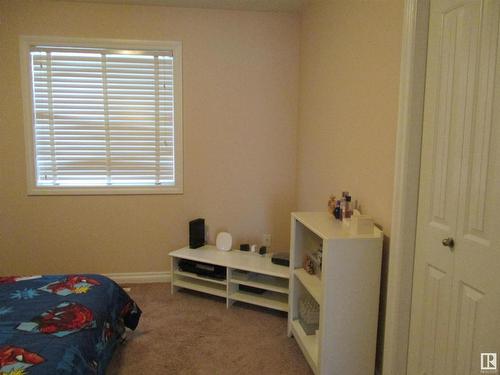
(102, 117)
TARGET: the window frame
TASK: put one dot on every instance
(26, 42)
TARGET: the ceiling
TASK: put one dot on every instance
(255, 5)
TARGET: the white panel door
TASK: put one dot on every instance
(456, 288)
(475, 308)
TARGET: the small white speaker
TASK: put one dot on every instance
(224, 241)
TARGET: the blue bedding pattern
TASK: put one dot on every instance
(62, 324)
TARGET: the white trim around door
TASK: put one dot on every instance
(406, 185)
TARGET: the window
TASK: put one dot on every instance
(104, 116)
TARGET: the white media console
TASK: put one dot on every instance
(242, 268)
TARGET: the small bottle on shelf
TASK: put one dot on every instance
(338, 211)
(348, 207)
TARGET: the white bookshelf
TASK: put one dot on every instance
(242, 268)
(347, 292)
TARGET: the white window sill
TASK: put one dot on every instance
(114, 190)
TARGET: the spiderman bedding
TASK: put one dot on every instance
(66, 324)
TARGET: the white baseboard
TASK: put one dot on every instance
(140, 277)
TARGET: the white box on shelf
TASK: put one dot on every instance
(361, 224)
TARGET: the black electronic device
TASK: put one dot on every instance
(196, 233)
(245, 247)
(282, 259)
(262, 250)
(203, 269)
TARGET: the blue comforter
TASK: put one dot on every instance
(66, 324)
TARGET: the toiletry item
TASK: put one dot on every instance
(331, 204)
(338, 211)
(348, 207)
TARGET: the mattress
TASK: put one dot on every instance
(62, 324)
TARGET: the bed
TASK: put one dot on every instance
(62, 324)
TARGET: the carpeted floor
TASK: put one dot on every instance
(192, 333)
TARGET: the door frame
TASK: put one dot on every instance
(406, 186)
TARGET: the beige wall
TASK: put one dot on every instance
(240, 119)
(243, 162)
(349, 86)
(349, 80)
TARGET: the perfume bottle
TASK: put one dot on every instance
(337, 212)
(348, 207)
(342, 208)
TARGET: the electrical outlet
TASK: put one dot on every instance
(266, 240)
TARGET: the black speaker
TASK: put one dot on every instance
(196, 233)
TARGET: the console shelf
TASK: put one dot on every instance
(195, 276)
(200, 286)
(257, 280)
(272, 300)
(242, 268)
